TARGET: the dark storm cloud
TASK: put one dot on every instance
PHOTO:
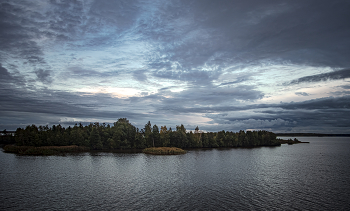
(43, 75)
(202, 100)
(25, 107)
(5, 75)
(321, 103)
(7, 80)
(17, 33)
(60, 104)
(295, 121)
(324, 118)
(65, 20)
(335, 75)
(331, 114)
(96, 24)
(315, 104)
(345, 87)
(303, 32)
(116, 13)
(198, 32)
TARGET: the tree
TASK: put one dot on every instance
(180, 136)
(205, 140)
(220, 138)
(212, 140)
(148, 134)
(95, 139)
(139, 139)
(111, 144)
(156, 136)
(191, 141)
(241, 138)
(164, 136)
(198, 137)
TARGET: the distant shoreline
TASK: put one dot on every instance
(311, 135)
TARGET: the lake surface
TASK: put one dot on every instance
(313, 176)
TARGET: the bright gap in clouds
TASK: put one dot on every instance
(113, 91)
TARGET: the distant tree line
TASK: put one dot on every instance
(123, 135)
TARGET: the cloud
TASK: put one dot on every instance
(5, 76)
(61, 104)
(120, 14)
(197, 61)
(17, 34)
(9, 80)
(335, 75)
(321, 103)
(345, 86)
(240, 80)
(201, 99)
(43, 75)
(139, 75)
(302, 93)
(330, 114)
(252, 31)
(194, 76)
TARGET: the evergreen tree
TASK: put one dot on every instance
(148, 134)
(156, 136)
(164, 136)
(95, 139)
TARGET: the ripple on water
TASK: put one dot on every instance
(299, 177)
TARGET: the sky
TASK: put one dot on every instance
(276, 65)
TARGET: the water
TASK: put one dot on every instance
(311, 176)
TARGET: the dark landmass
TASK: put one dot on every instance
(164, 151)
(291, 141)
(312, 134)
(122, 135)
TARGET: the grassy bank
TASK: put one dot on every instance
(164, 151)
(46, 150)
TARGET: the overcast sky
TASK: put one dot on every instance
(276, 65)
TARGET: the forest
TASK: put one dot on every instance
(123, 135)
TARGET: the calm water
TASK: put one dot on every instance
(313, 176)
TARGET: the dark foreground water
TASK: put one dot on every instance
(313, 176)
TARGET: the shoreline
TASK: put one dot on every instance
(56, 150)
(164, 151)
(44, 150)
(59, 150)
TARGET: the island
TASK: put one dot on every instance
(122, 135)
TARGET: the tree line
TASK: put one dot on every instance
(123, 135)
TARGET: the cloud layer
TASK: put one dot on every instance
(275, 65)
